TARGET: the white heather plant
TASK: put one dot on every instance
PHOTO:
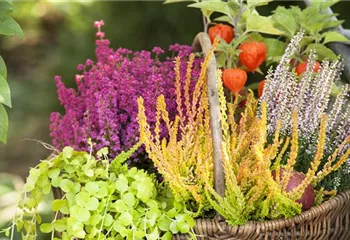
(311, 96)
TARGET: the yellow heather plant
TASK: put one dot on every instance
(185, 159)
(255, 189)
(255, 185)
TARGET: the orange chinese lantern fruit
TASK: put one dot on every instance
(224, 31)
(261, 88)
(253, 54)
(301, 67)
(234, 79)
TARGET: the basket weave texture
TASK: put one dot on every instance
(330, 220)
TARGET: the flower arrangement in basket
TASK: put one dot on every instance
(275, 155)
(229, 166)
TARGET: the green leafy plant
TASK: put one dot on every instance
(252, 31)
(8, 26)
(100, 200)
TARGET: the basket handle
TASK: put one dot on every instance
(202, 42)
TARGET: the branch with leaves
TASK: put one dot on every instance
(8, 26)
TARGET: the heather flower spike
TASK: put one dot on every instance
(311, 98)
(104, 105)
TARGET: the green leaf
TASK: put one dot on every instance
(108, 220)
(223, 18)
(334, 36)
(66, 185)
(3, 69)
(5, 94)
(322, 51)
(164, 223)
(257, 23)
(46, 227)
(95, 219)
(120, 206)
(214, 6)
(92, 204)
(82, 214)
(57, 204)
(125, 218)
(257, 3)
(154, 235)
(8, 26)
(121, 184)
(285, 21)
(275, 48)
(322, 5)
(102, 192)
(82, 198)
(177, 1)
(173, 227)
(55, 182)
(61, 225)
(92, 188)
(335, 90)
(183, 226)
(129, 199)
(67, 152)
(5, 8)
(332, 24)
(167, 236)
(3, 124)
(139, 234)
(54, 173)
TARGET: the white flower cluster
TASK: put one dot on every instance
(310, 96)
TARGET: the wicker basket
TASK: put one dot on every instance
(330, 220)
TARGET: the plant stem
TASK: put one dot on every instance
(205, 23)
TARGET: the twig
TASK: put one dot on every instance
(202, 42)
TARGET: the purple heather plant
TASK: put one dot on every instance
(104, 106)
(311, 97)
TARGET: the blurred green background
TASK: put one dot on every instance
(58, 36)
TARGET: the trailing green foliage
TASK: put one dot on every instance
(8, 26)
(101, 200)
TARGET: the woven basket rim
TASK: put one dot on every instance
(331, 205)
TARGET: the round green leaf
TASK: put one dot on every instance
(183, 226)
(92, 188)
(121, 184)
(66, 185)
(46, 227)
(53, 173)
(120, 206)
(92, 204)
(67, 152)
(60, 225)
(125, 218)
(83, 215)
(82, 198)
(108, 220)
(129, 199)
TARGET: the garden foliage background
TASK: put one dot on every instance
(58, 36)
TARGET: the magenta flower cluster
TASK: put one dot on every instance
(104, 105)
